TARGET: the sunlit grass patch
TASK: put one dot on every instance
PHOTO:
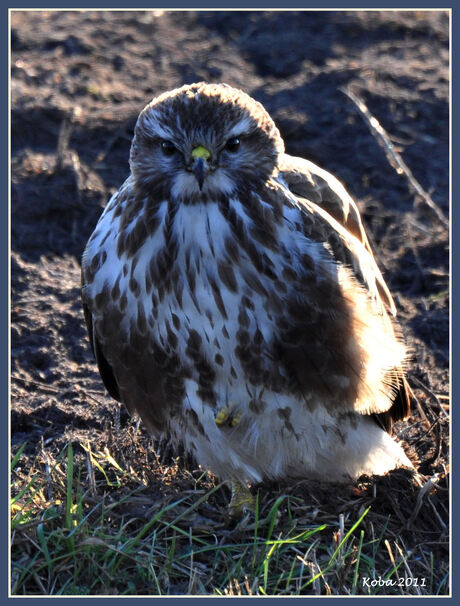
(88, 522)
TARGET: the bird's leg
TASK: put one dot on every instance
(242, 500)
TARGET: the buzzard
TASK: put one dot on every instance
(233, 301)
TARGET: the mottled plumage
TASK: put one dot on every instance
(234, 303)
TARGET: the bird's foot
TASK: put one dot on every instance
(228, 415)
(242, 501)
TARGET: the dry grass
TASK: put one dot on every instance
(114, 519)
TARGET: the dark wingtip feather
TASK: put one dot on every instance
(400, 408)
(105, 370)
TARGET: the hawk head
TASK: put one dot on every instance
(203, 139)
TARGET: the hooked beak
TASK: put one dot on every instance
(200, 156)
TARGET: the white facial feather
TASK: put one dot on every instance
(154, 125)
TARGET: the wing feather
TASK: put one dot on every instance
(323, 198)
(312, 183)
(105, 370)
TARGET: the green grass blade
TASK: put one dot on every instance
(43, 544)
(338, 548)
(68, 509)
(23, 491)
(17, 456)
(358, 560)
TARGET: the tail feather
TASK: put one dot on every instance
(400, 408)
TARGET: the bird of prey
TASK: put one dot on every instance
(234, 303)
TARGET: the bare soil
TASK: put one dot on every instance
(79, 80)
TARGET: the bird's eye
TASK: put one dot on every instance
(168, 148)
(233, 144)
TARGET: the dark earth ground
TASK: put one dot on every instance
(81, 78)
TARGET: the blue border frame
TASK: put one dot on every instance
(4, 254)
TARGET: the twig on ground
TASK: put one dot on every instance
(418, 263)
(429, 393)
(64, 137)
(393, 156)
(411, 575)
(119, 134)
(393, 561)
(425, 490)
(56, 390)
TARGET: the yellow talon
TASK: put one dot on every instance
(236, 419)
(227, 414)
(223, 415)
